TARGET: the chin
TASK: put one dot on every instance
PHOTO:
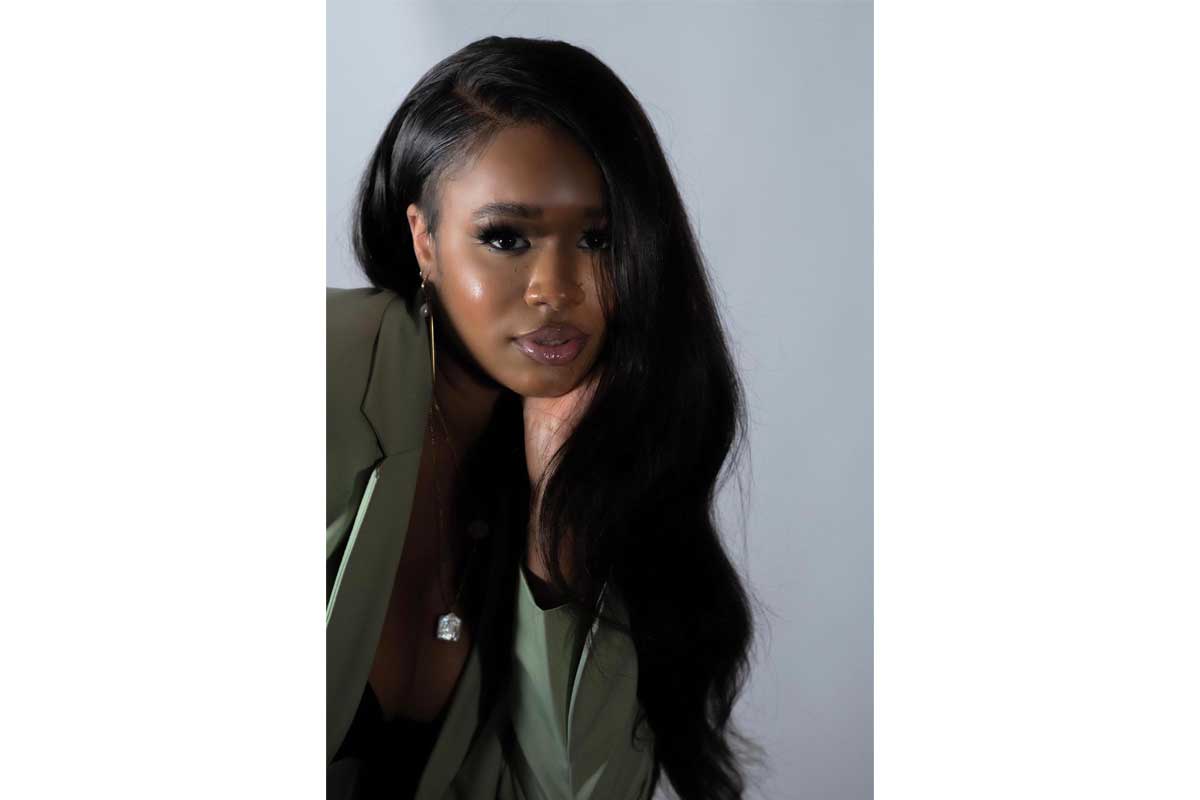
(532, 385)
(545, 390)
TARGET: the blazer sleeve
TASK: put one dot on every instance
(573, 709)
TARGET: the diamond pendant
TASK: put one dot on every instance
(448, 627)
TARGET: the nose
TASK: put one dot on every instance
(554, 280)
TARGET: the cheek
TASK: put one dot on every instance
(481, 295)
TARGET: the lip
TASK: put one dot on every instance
(552, 354)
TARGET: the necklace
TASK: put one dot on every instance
(449, 624)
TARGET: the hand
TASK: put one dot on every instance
(549, 422)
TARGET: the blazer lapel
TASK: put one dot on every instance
(397, 405)
(400, 388)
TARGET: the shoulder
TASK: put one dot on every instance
(353, 316)
(371, 334)
(377, 366)
(353, 319)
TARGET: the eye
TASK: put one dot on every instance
(597, 238)
(501, 238)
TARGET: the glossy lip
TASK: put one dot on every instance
(553, 354)
(554, 330)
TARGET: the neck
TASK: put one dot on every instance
(465, 402)
(465, 407)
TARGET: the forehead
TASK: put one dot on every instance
(533, 165)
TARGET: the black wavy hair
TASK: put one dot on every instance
(636, 480)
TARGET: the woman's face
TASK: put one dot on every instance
(502, 272)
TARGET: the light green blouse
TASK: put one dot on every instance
(570, 712)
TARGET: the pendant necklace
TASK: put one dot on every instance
(449, 624)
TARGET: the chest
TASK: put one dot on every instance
(414, 673)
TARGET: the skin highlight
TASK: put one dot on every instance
(487, 293)
(639, 476)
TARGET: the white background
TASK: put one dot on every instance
(1035, 395)
(765, 116)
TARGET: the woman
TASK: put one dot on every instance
(527, 419)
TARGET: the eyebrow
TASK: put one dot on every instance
(524, 211)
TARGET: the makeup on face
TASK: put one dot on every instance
(520, 252)
(553, 344)
(500, 221)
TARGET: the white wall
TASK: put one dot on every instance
(765, 111)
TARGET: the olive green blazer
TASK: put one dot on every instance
(570, 712)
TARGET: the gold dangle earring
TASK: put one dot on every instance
(427, 313)
(449, 624)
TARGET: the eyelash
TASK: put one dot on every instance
(490, 233)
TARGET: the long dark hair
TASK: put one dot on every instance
(637, 479)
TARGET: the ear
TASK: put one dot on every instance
(422, 241)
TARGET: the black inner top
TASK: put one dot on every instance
(390, 755)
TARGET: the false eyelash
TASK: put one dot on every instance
(491, 232)
(599, 232)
